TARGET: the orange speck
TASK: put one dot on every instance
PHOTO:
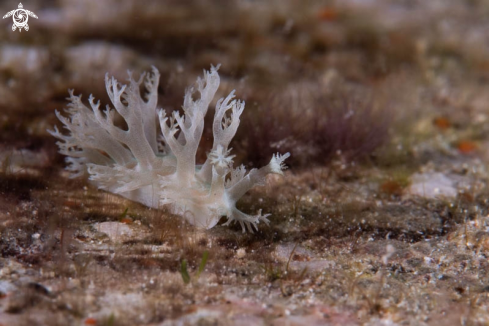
(466, 147)
(90, 321)
(442, 123)
(466, 197)
(328, 14)
(391, 187)
(126, 220)
(70, 203)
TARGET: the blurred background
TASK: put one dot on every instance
(321, 79)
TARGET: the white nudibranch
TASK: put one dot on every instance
(161, 170)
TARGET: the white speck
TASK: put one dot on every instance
(240, 253)
(431, 185)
